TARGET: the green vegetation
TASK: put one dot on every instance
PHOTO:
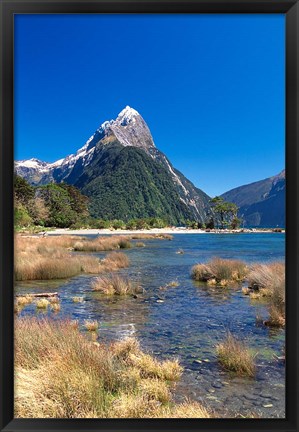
(225, 213)
(97, 381)
(235, 356)
(125, 183)
(52, 205)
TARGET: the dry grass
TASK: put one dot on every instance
(222, 271)
(77, 299)
(201, 272)
(188, 409)
(140, 244)
(235, 356)
(103, 244)
(91, 325)
(270, 277)
(172, 284)
(54, 299)
(42, 304)
(115, 260)
(115, 285)
(148, 236)
(268, 280)
(225, 269)
(24, 300)
(55, 307)
(96, 381)
(52, 257)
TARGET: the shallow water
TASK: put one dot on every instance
(187, 321)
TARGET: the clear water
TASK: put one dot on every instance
(187, 321)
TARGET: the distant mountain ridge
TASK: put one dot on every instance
(124, 174)
(261, 203)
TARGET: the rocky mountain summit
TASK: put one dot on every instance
(119, 164)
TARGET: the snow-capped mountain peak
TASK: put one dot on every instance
(127, 115)
(129, 129)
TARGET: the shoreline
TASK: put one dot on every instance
(170, 230)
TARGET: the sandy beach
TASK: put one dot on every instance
(169, 230)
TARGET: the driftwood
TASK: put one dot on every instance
(38, 295)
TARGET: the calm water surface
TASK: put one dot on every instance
(187, 321)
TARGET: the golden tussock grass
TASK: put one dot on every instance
(115, 285)
(42, 304)
(54, 299)
(235, 356)
(115, 261)
(51, 258)
(268, 280)
(201, 272)
(24, 300)
(148, 236)
(222, 271)
(55, 307)
(188, 409)
(77, 299)
(59, 373)
(140, 244)
(172, 284)
(91, 325)
(103, 244)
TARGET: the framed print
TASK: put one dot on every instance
(149, 215)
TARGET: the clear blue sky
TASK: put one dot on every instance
(210, 87)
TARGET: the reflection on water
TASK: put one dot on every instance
(188, 320)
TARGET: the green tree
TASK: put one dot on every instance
(23, 191)
(225, 211)
(58, 201)
(78, 202)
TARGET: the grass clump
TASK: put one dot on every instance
(115, 285)
(24, 300)
(55, 307)
(235, 356)
(115, 260)
(91, 325)
(220, 271)
(103, 244)
(268, 280)
(201, 272)
(172, 284)
(42, 304)
(77, 299)
(59, 373)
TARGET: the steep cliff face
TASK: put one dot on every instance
(261, 203)
(121, 160)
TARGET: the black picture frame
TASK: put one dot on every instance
(8, 9)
